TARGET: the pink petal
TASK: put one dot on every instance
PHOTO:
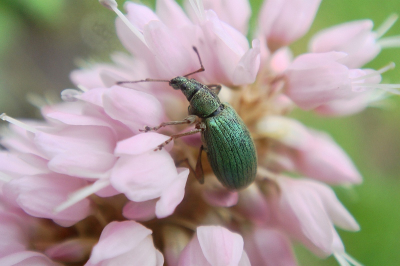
(336, 211)
(133, 108)
(284, 21)
(315, 79)
(142, 255)
(141, 143)
(247, 68)
(89, 164)
(235, 12)
(285, 130)
(254, 205)
(94, 96)
(220, 196)
(76, 138)
(281, 59)
(193, 255)
(118, 238)
(38, 195)
(88, 78)
(73, 250)
(172, 57)
(171, 14)
(307, 206)
(354, 38)
(269, 245)
(14, 233)
(27, 258)
(219, 245)
(139, 15)
(173, 195)
(145, 176)
(344, 107)
(326, 161)
(14, 166)
(140, 211)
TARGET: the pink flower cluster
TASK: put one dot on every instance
(67, 182)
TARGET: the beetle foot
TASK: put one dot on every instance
(159, 147)
(147, 129)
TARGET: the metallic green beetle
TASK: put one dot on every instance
(226, 139)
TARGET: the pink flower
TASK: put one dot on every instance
(27, 258)
(89, 173)
(214, 245)
(312, 153)
(316, 79)
(355, 38)
(308, 210)
(270, 245)
(123, 243)
(282, 22)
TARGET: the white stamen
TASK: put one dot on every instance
(198, 8)
(111, 4)
(386, 25)
(345, 259)
(70, 95)
(82, 88)
(390, 42)
(392, 88)
(13, 121)
(82, 194)
(388, 67)
(36, 100)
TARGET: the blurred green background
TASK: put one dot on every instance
(41, 41)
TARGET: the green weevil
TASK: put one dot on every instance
(226, 139)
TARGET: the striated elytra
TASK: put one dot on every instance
(226, 139)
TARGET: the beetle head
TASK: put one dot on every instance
(178, 83)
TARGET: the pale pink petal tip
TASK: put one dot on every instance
(140, 211)
(284, 21)
(214, 245)
(220, 197)
(316, 79)
(235, 12)
(125, 243)
(27, 258)
(141, 143)
(316, 209)
(134, 108)
(173, 195)
(138, 179)
(326, 161)
(355, 38)
(73, 250)
(270, 245)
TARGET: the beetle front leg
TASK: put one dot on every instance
(188, 120)
(199, 128)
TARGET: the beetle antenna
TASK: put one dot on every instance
(143, 80)
(201, 69)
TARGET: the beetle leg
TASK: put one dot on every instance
(199, 167)
(199, 128)
(216, 88)
(199, 175)
(188, 120)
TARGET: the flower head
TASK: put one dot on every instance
(91, 171)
